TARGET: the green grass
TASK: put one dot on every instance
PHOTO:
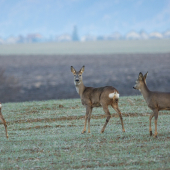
(97, 47)
(43, 135)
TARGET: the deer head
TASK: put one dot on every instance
(77, 75)
(140, 81)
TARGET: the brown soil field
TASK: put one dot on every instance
(44, 77)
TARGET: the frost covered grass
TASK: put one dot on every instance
(47, 135)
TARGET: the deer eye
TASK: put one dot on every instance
(79, 75)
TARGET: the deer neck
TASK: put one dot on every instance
(80, 88)
(145, 92)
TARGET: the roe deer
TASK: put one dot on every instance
(3, 121)
(95, 97)
(156, 101)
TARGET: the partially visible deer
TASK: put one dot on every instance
(95, 97)
(156, 101)
(3, 121)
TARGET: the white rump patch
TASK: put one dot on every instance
(116, 95)
(0, 105)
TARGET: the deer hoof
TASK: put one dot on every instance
(7, 136)
(150, 133)
(83, 132)
(123, 130)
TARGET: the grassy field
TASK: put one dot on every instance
(47, 135)
(97, 47)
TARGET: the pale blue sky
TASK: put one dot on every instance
(93, 17)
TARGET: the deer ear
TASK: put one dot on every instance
(73, 70)
(140, 77)
(82, 70)
(145, 76)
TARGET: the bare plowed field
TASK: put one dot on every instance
(43, 77)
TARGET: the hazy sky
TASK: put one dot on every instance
(92, 17)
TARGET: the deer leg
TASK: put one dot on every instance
(89, 117)
(4, 122)
(116, 108)
(156, 119)
(106, 110)
(86, 116)
(150, 128)
(84, 130)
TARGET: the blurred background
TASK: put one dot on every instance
(114, 39)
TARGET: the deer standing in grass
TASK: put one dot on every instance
(95, 97)
(156, 101)
(3, 121)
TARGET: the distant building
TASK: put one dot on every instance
(144, 35)
(100, 38)
(64, 38)
(133, 35)
(21, 39)
(115, 36)
(155, 35)
(11, 40)
(88, 38)
(33, 38)
(75, 34)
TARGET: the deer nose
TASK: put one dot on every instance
(134, 87)
(77, 80)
